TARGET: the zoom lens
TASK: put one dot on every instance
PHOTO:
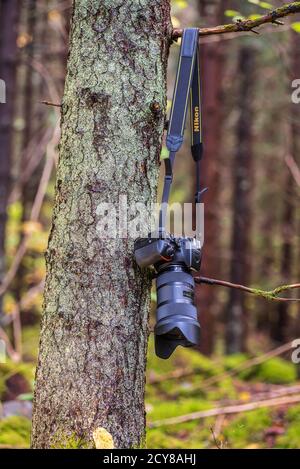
(176, 313)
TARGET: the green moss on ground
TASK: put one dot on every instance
(158, 410)
(185, 359)
(201, 365)
(197, 437)
(291, 437)
(223, 389)
(293, 414)
(15, 432)
(232, 361)
(247, 429)
(180, 396)
(275, 371)
(197, 366)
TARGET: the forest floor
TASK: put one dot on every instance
(192, 401)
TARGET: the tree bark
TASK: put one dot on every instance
(236, 320)
(91, 368)
(9, 15)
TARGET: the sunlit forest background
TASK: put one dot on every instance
(241, 389)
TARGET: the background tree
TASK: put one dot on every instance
(236, 321)
(282, 321)
(212, 57)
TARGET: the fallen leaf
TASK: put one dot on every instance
(103, 439)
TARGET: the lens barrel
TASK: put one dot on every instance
(176, 313)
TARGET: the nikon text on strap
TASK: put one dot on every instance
(187, 88)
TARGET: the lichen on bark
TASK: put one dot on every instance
(91, 367)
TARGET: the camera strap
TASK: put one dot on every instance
(187, 88)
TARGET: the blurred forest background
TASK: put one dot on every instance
(252, 168)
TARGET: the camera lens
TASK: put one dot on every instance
(176, 313)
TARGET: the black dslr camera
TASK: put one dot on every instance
(173, 259)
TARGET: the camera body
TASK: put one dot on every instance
(156, 251)
(173, 260)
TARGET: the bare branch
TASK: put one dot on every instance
(17, 332)
(24, 303)
(272, 17)
(13, 354)
(208, 382)
(267, 294)
(231, 409)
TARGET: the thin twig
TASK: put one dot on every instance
(174, 374)
(17, 332)
(248, 25)
(24, 302)
(232, 409)
(294, 168)
(14, 356)
(32, 156)
(45, 74)
(214, 438)
(35, 211)
(267, 294)
(246, 365)
(277, 392)
(48, 103)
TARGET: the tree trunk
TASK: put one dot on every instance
(280, 327)
(91, 368)
(29, 13)
(9, 15)
(36, 116)
(236, 321)
(268, 224)
(212, 65)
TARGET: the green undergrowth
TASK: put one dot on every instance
(204, 384)
(15, 432)
(291, 437)
(274, 371)
(247, 429)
